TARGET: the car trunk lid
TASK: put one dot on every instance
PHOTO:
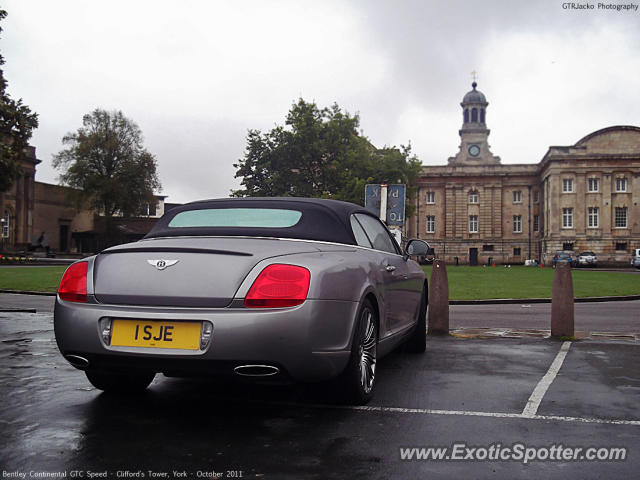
(185, 272)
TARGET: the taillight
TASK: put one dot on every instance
(73, 286)
(279, 286)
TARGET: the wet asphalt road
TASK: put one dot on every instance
(621, 316)
(471, 391)
(42, 303)
(589, 317)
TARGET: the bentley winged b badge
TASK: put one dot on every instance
(162, 264)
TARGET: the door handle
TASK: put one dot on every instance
(389, 268)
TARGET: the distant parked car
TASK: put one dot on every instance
(587, 259)
(562, 256)
(635, 259)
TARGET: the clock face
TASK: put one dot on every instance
(474, 150)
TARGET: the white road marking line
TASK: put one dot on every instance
(531, 408)
(427, 411)
(587, 420)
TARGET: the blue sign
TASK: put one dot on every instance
(372, 199)
(395, 202)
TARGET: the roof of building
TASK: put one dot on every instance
(474, 96)
(604, 131)
(618, 142)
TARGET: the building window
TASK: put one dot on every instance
(474, 115)
(567, 218)
(148, 210)
(6, 224)
(466, 115)
(567, 246)
(487, 248)
(536, 223)
(517, 196)
(593, 217)
(482, 115)
(473, 223)
(621, 217)
(621, 184)
(516, 251)
(517, 224)
(473, 197)
(593, 185)
(430, 197)
(621, 246)
(431, 224)
(567, 185)
(536, 196)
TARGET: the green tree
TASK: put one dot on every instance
(319, 153)
(17, 123)
(108, 165)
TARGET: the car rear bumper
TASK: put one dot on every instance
(587, 262)
(310, 342)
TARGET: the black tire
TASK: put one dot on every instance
(417, 342)
(124, 382)
(358, 379)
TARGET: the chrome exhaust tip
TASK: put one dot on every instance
(77, 361)
(256, 370)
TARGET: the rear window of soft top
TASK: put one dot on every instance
(237, 217)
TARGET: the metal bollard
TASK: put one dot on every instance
(438, 300)
(562, 318)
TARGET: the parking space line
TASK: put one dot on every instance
(586, 420)
(427, 411)
(531, 408)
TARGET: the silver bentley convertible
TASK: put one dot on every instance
(292, 289)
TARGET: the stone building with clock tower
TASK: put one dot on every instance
(584, 197)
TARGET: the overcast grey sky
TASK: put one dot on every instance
(196, 75)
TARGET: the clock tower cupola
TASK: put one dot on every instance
(474, 134)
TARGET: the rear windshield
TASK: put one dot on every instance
(237, 217)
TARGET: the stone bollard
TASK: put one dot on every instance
(562, 302)
(438, 300)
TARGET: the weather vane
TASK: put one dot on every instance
(474, 75)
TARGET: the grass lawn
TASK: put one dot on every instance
(472, 283)
(36, 279)
(465, 283)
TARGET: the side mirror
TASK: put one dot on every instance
(417, 248)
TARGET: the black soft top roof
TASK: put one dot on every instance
(322, 219)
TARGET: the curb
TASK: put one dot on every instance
(28, 292)
(499, 301)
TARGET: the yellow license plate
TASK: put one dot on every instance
(155, 334)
